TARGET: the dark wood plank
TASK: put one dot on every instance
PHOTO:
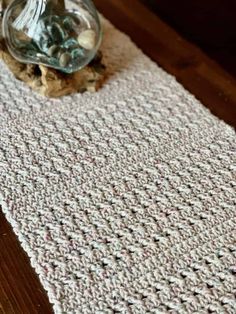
(199, 74)
(208, 24)
(20, 290)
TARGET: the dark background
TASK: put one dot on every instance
(211, 24)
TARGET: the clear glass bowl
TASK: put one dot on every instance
(63, 36)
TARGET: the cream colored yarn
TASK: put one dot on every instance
(124, 200)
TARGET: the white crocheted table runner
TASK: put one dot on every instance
(124, 199)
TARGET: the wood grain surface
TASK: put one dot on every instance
(208, 24)
(20, 290)
(199, 74)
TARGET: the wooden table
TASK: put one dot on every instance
(20, 290)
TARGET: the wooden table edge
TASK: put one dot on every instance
(199, 74)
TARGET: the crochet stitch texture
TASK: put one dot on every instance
(125, 199)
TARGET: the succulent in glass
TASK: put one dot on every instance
(64, 35)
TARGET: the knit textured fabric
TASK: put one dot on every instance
(125, 199)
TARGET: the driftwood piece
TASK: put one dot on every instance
(53, 83)
(50, 82)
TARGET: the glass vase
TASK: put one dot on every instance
(61, 34)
